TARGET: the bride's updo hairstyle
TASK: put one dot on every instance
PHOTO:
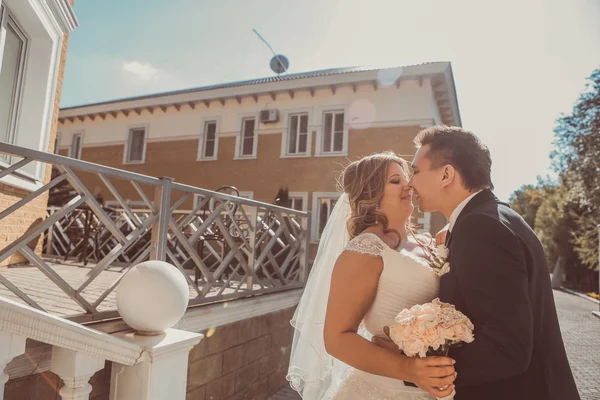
(364, 181)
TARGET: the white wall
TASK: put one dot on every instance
(387, 106)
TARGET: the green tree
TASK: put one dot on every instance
(577, 158)
(526, 201)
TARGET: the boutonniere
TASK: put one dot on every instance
(439, 260)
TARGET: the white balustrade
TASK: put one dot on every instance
(150, 365)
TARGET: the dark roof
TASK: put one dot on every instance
(272, 79)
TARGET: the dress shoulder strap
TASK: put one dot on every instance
(367, 243)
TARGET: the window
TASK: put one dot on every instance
(322, 206)
(12, 53)
(298, 134)
(248, 133)
(332, 140)
(76, 146)
(325, 208)
(31, 39)
(136, 145)
(299, 200)
(297, 203)
(209, 141)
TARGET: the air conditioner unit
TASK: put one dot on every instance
(269, 116)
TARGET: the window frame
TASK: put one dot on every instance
(127, 150)
(7, 19)
(45, 24)
(203, 138)
(316, 211)
(239, 139)
(299, 196)
(334, 114)
(80, 134)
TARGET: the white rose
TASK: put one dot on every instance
(445, 269)
(442, 251)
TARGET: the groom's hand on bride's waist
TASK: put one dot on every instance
(435, 375)
(386, 342)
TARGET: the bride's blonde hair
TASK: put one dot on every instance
(364, 181)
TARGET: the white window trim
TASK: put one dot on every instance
(126, 160)
(55, 18)
(316, 212)
(80, 145)
(300, 195)
(7, 18)
(319, 137)
(286, 131)
(202, 140)
(238, 137)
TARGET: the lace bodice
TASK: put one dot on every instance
(406, 280)
(367, 243)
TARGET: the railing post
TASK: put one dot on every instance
(162, 372)
(10, 347)
(160, 229)
(305, 262)
(75, 369)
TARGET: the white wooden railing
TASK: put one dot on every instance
(143, 367)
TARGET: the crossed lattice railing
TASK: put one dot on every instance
(226, 246)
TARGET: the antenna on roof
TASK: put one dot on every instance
(279, 63)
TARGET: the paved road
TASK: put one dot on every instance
(581, 334)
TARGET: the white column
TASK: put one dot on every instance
(10, 347)
(162, 370)
(75, 369)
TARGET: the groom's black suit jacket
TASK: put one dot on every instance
(499, 278)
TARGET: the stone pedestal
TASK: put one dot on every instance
(162, 370)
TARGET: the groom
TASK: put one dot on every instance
(498, 276)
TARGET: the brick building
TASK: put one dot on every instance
(33, 49)
(293, 131)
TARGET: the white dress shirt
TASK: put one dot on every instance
(458, 210)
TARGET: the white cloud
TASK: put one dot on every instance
(142, 70)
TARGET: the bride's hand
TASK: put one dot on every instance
(434, 375)
(429, 373)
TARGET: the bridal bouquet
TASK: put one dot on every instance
(430, 329)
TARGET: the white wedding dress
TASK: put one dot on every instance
(406, 280)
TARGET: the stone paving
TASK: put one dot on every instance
(581, 334)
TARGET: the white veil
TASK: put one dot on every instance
(312, 372)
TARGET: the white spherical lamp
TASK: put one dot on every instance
(152, 297)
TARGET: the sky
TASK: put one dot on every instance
(517, 64)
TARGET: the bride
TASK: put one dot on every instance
(366, 271)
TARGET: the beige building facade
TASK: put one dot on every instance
(295, 132)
